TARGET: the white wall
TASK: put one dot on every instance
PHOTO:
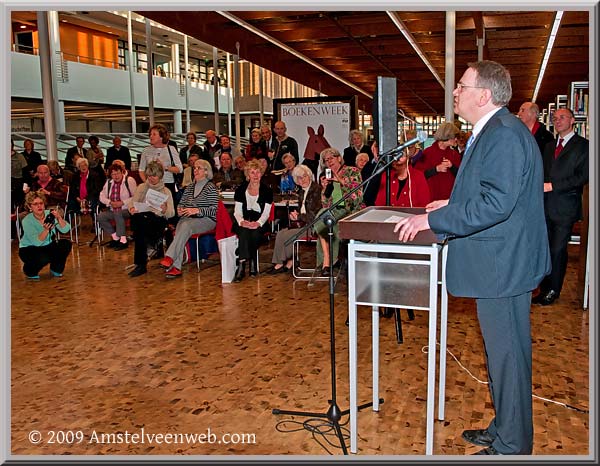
(107, 86)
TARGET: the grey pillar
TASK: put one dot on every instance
(261, 96)
(188, 121)
(450, 64)
(56, 63)
(150, 72)
(236, 97)
(229, 97)
(132, 70)
(175, 62)
(47, 91)
(480, 45)
(216, 87)
(177, 123)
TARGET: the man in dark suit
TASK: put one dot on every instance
(118, 152)
(76, 150)
(497, 247)
(529, 113)
(566, 171)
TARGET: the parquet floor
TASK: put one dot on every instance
(96, 352)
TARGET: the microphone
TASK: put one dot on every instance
(421, 137)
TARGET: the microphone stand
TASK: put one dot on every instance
(334, 413)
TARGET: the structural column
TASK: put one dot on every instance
(216, 87)
(450, 64)
(56, 66)
(150, 71)
(236, 97)
(186, 73)
(132, 70)
(47, 91)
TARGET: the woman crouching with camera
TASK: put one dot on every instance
(39, 244)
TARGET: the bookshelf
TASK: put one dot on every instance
(579, 103)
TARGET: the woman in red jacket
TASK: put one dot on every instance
(440, 162)
(408, 187)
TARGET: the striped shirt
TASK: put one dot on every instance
(206, 200)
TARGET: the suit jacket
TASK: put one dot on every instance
(542, 137)
(568, 174)
(113, 154)
(498, 243)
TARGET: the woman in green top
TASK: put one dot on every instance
(343, 179)
(39, 244)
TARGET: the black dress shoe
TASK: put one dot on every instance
(112, 244)
(325, 272)
(386, 312)
(549, 298)
(487, 451)
(479, 437)
(240, 272)
(121, 246)
(139, 270)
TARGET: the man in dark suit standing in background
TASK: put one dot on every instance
(118, 152)
(529, 113)
(566, 171)
(497, 248)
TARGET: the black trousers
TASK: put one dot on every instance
(35, 258)
(249, 240)
(147, 228)
(559, 234)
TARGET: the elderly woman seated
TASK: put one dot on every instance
(198, 214)
(115, 195)
(309, 202)
(39, 244)
(227, 177)
(343, 179)
(85, 187)
(150, 207)
(253, 203)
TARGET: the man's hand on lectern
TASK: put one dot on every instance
(409, 227)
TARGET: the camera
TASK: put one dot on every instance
(50, 218)
(328, 173)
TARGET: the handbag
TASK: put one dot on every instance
(227, 247)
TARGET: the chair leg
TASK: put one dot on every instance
(198, 253)
(411, 314)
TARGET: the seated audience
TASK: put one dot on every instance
(357, 145)
(269, 179)
(239, 162)
(149, 225)
(115, 195)
(309, 202)
(286, 183)
(367, 168)
(85, 187)
(257, 147)
(117, 152)
(343, 180)
(227, 177)
(197, 213)
(188, 172)
(191, 148)
(39, 244)
(227, 147)
(56, 171)
(54, 191)
(253, 203)
(408, 187)
(440, 162)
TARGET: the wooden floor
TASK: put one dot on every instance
(101, 353)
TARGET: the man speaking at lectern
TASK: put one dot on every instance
(497, 246)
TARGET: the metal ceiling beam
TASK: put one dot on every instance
(292, 51)
(411, 40)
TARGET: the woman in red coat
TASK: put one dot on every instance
(440, 162)
(408, 187)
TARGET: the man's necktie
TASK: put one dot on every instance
(559, 147)
(469, 142)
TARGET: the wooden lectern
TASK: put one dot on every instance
(382, 271)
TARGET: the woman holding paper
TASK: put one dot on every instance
(150, 207)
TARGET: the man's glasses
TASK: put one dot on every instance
(460, 86)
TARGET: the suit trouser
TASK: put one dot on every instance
(506, 330)
(187, 227)
(35, 258)
(559, 235)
